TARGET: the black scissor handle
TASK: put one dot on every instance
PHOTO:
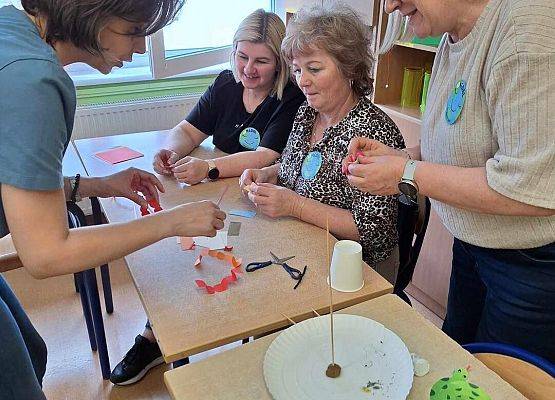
(300, 278)
(293, 272)
(253, 266)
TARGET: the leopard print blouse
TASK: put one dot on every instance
(374, 216)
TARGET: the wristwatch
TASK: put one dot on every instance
(213, 171)
(407, 185)
(74, 184)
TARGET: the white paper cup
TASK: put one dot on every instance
(346, 266)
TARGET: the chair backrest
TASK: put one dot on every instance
(412, 222)
(531, 375)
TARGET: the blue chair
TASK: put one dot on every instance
(530, 374)
(87, 287)
(412, 221)
(512, 351)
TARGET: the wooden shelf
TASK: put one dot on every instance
(417, 46)
(411, 114)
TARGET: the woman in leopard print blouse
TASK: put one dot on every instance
(328, 52)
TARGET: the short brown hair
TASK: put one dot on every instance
(339, 31)
(262, 26)
(80, 21)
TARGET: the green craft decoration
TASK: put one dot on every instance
(457, 387)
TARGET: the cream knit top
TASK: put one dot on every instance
(507, 124)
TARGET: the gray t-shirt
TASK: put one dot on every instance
(37, 107)
(507, 124)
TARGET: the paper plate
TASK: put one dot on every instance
(375, 363)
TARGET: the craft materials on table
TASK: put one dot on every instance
(293, 272)
(118, 154)
(187, 243)
(333, 370)
(375, 362)
(457, 387)
(217, 242)
(230, 259)
(234, 229)
(243, 213)
(222, 195)
(421, 365)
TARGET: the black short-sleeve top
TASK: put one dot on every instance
(221, 113)
(374, 216)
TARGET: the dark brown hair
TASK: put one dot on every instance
(80, 21)
(338, 30)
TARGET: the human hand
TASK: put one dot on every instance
(129, 183)
(272, 200)
(264, 175)
(202, 218)
(360, 147)
(378, 175)
(190, 170)
(162, 161)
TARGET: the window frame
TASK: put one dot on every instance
(162, 67)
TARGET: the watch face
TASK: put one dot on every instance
(408, 189)
(214, 173)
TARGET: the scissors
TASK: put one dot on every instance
(293, 272)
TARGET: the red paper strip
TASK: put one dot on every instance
(220, 287)
(155, 205)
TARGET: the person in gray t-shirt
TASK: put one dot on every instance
(487, 162)
(37, 107)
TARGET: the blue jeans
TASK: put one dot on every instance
(503, 296)
(22, 351)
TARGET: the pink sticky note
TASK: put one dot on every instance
(118, 154)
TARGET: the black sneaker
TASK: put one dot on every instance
(142, 357)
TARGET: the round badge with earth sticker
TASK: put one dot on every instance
(249, 138)
(455, 103)
(311, 165)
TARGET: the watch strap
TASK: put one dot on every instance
(211, 165)
(408, 173)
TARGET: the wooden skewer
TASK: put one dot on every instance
(333, 369)
(315, 312)
(290, 320)
(222, 195)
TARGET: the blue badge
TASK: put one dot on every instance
(249, 138)
(311, 165)
(456, 102)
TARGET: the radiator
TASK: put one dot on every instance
(129, 117)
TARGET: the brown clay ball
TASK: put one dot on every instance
(333, 371)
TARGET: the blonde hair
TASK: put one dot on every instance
(339, 31)
(263, 27)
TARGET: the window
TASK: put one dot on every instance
(197, 42)
(10, 2)
(201, 36)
